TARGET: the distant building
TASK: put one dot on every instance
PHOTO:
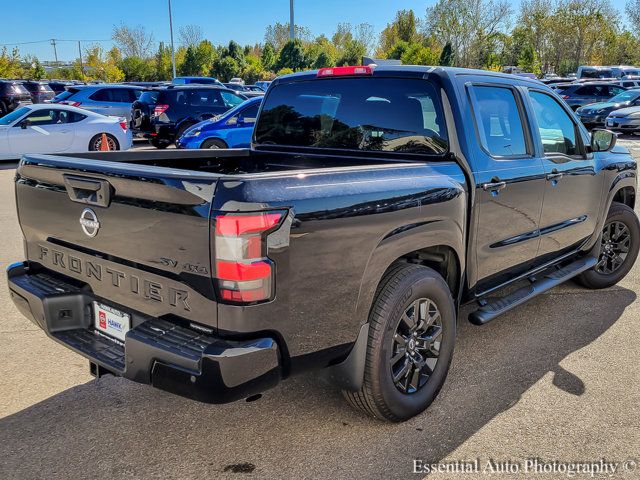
(379, 61)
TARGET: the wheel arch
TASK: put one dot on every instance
(626, 195)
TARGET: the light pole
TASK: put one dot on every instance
(173, 52)
(292, 31)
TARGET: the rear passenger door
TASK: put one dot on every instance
(572, 187)
(510, 184)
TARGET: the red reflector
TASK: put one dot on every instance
(123, 125)
(234, 225)
(564, 97)
(342, 71)
(243, 296)
(242, 271)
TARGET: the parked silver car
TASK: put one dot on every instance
(114, 100)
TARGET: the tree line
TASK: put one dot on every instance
(543, 36)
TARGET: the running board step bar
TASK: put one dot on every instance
(550, 279)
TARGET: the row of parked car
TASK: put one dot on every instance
(93, 116)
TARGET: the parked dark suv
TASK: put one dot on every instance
(163, 114)
(12, 96)
(580, 94)
(40, 91)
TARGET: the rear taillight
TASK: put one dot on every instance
(565, 97)
(159, 109)
(243, 272)
(123, 125)
(69, 102)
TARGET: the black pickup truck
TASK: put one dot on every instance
(373, 203)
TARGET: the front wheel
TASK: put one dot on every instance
(412, 329)
(213, 143)
(618, 250)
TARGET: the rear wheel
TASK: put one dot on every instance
(213, 143)
(411, 340)
(159, 143)
(181, 129)
(618, 250)
(96, 142)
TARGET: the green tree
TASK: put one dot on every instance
(268, 56)
(529, 61)
(292, 56)
(352, 54)
(37, 70)
(137, 69)
(404, 28)
(399, 49)
(225, 68)
(162, 63)
(190, 65)
(418, 54)
(446, 57)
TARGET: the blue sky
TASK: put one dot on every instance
(221, 21)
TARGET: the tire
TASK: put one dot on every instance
(159, 144)
(380, 397)
(96, 142)
(183, 128)
(213, 143)
(600, 276)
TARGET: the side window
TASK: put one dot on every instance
(231, 99)
(499, 124)
(250, 114)
(74, 117)
(102, 95)
(205, 97)
(557, 130)
(43, 117)
(122, 95)
(616, 90)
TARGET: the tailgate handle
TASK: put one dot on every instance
(92, 191)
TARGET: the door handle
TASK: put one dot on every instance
(494, 186)
(555, 175)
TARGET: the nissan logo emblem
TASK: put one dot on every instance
(89, 222)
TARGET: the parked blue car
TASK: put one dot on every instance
(232, 129)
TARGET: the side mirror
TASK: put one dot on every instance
(602, 140)
(25, 123)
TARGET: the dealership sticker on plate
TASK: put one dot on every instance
(111, 321)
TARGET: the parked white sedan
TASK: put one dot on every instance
(51, 128)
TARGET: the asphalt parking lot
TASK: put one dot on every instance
(556, 379)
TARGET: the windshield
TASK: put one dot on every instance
(369, 114)
(11, 117)
(628, 96)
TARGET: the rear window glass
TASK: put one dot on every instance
(19, 89)
(369, 114)
(64, 95)
(149, 97)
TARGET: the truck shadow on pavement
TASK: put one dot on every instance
(112, 428)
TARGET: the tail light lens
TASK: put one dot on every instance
(123, 125)
(73, 104)
(565, 97)
(159, 109)
(243, 272)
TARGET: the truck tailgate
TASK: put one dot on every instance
(134, 234)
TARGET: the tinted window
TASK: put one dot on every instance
(250, 114)
(499, 123)
(205, 98)
(615, 90)
(373, 114)
(64, 95)
(117, 95)
(557, 130)
(19, 89)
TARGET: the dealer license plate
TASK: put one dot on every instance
(111, 321)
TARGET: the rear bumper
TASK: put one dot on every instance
(623, 124)
(167, 355)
